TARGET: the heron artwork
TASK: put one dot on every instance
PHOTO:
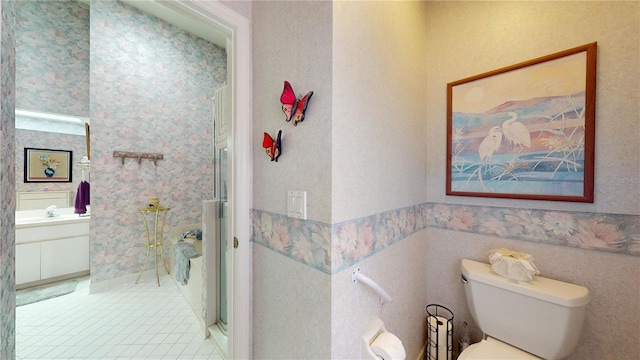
(490, 144)
(516, 134)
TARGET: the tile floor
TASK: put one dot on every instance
(140, 322)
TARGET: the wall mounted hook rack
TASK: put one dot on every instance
(138, 155)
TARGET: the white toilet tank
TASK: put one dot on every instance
(543, 317)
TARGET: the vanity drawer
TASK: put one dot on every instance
(51, 232)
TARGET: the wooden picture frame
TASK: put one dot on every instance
(526, 131)
(47, 165)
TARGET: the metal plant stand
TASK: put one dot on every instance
(154, 242)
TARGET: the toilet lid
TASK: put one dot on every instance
(492, 349)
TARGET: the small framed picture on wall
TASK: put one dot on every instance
(47, 165)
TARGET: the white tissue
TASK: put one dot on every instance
(51, 211)
(513, 265)
(388, 347)
(439, 323)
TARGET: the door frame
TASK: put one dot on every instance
(238, 31)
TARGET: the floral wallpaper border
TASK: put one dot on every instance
(310, 242)
(306, 241)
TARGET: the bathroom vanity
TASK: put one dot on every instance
(50, 248)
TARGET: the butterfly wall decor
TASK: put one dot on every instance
(293, 107)
(273, 147)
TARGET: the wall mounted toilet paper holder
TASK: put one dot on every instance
(378, 343)
(357, 276)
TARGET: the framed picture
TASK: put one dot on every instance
(47, 165)
(525, 131)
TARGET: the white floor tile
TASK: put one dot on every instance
(191, 348)
(161, 350)
(69, 351)
(144, 339)
(186, 338)
(86, 351)
(130, 322)
(206, 348)
(158, 338)
(145, 351)
(131, 351)
(41, 351)
(176, 349)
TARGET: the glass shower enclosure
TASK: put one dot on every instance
(216, 220)
(222, 251)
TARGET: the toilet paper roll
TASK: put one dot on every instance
(388, 346)
(438, 330)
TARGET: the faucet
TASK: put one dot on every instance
(51, 211)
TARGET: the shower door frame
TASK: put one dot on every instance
(237, 28)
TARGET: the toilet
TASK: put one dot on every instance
(539, 319)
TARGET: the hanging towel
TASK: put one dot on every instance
(82, 198)
(183, 251)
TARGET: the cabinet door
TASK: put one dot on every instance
(65, 256)
(27, 263)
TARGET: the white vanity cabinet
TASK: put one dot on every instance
(64, 257)
(27, 263)
(51, 248)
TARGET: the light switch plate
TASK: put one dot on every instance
(297, 204)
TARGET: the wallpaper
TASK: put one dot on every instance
(151, 91)
(52, 56)
(7, 178)
(311, 242)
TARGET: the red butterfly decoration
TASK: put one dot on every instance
(272, 146)
(293, 107)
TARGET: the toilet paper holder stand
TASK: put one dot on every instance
(440, 333)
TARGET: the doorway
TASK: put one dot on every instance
(237, 31)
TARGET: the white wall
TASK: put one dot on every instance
(379, 101)
(292, 317)
(379, 162)
(291, 41)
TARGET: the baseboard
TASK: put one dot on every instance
(104, 285)
(52, 280)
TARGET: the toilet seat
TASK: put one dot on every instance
(493, 349)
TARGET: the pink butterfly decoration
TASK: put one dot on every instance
(294, 108)
(272, 146)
